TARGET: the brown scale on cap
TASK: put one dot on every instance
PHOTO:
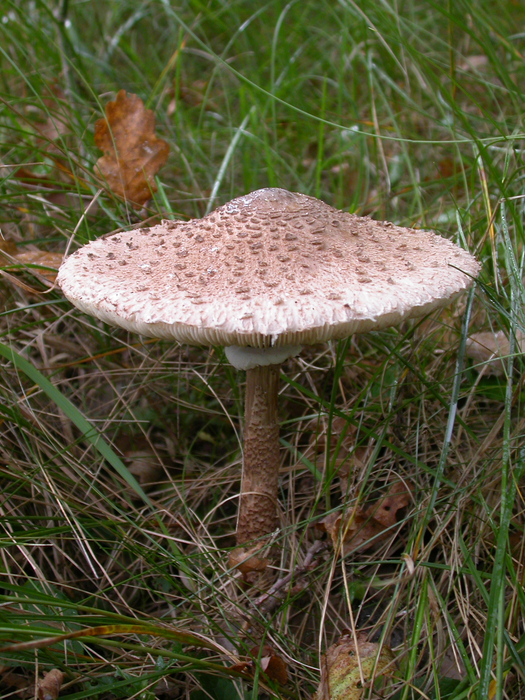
(361, 274)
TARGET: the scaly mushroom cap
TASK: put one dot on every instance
(272, 268)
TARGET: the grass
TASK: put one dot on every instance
(120, 458)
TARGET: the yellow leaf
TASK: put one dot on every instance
(346, 665)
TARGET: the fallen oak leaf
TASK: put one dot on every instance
(247, 560)
(56, 189)
(9, 247)
(363, 528)
(49, 686)
(23, 688)
(385, 510)
(144, 465)
(132, 153)
(356, 530)
(272, 666)
(348, 663)
(41, 263)
(244, 667)
(44, 259)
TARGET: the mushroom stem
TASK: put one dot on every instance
(260, 476)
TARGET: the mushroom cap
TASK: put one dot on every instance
(271, 268)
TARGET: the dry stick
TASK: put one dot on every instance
(268, 601)
(261, 461)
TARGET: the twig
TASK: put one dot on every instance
(268, 601)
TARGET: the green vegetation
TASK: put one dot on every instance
(120, 457)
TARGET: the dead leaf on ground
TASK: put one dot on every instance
(49, 686)
(355, 530)
(45, 259)
(363, 528)
(248, 560)
(347, 668)
(9, 679)
(386, 508)
(9, 247)
(132, 153)
(490, 350)
(30, 258)
(272, 665)
(144, 465)
(142, 458)
(56, 189)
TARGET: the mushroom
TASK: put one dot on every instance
(263, 275)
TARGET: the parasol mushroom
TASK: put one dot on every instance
(263, 275)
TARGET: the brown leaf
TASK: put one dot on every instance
(350, 465)
(195, 94)
(338, 427)
(446, 167)
(363, 528)
(247, 560)
(9, 247)
(14, 256)
(490, 350)
(272, 665)
(275, 668)
(452, 665)
(10, 679)
(132, 153)
(386, 508)
(243, 667)
(356, 531)
(44, 258)
(346, 665)
(49, 686)
(144, 465)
